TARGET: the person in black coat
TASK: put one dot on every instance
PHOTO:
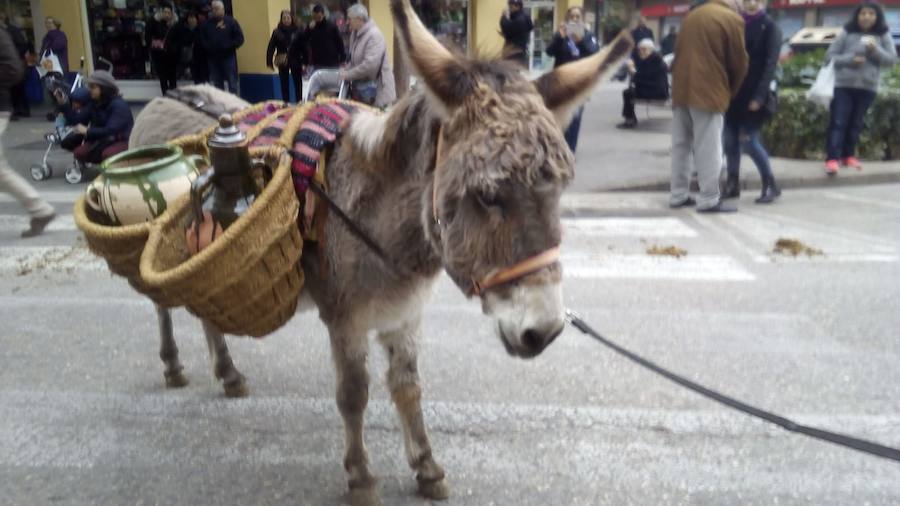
(326, 46)
(21, 107)
(221, 37)
(754, 103)
(192, 48)
(516, 27)
(289, 63)
(640, 32)
(111, 120)
(572, 42)
(165, 45)
(649, 81)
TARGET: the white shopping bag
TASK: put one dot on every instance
(822, 90)
(49, 63)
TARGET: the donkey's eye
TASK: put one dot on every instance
(489, 200)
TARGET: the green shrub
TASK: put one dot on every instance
(801, 70)
(799, 127)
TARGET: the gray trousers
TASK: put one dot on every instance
(13, 183)
(697, 133)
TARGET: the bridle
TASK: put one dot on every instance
(498, 276)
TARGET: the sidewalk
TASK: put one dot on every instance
(611, 159)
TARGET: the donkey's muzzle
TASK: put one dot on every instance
(533, 340)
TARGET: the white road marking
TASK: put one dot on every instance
(825, 258)
(860, 200)
(642, 266)
(59, 196)
(24, 260)
(17, 223)
(629, 227)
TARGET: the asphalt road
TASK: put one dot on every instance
(85, 417)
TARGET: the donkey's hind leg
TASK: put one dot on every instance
(403, 382)
(350, 351)
(168, 350)
(232, 380)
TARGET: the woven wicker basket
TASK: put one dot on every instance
(248, 280)
(120, 246)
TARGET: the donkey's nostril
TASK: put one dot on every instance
(532, 340)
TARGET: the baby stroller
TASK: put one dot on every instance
(326, 82)
(53, 82)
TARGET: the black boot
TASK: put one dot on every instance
(732, 188)
(770, 192)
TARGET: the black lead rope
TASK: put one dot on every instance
(832, 437)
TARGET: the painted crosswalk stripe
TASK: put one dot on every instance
(59, 196)
(17, 223)
(24, 260)
(629, 227)
(638, 266)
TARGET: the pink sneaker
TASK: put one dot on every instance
(831, 167)
(852, 161)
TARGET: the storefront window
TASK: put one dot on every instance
(117, 30)
(790, 22)
(448, 20)
(542, 14)
(835, 17)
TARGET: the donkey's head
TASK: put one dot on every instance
(501, 165)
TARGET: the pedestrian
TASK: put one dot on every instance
(572, 42)
(289, 64)
(863, 47)
(754, 103)
(222, 36)
(165, 46)
(709, 67)
(369, 71)
(667, 44)
(110, 120)
(55, 40)
(20, 106)
(192, 48)
(326, 46)
(12, 70)
(649, 81)
(516, 27)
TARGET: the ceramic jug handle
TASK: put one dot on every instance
(198, 161)
(92, 195)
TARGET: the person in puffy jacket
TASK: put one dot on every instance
(110, 120)
(859, 53)
(221, 37)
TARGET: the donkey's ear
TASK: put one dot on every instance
(445, 76)
(569, 85)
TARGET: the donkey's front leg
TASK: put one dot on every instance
(233, 381)
(168, 350)
(403, 382)
(350, 351)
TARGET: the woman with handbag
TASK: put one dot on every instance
(55, 42)
(858, 53)
(369, 71)
(754, 104)
(278, 54)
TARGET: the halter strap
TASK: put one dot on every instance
(498, 276)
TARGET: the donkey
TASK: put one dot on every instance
(463, 174)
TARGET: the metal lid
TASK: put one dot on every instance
(227, 134)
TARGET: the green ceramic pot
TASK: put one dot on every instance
(137, 185)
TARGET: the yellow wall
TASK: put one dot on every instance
(380, 13)
(257, 19)
(70, 13)
(485, 37)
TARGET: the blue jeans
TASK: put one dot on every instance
(573, 129)
(222, 70)
(848, 110)
(735, 137)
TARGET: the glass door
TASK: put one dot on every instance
(542, 14)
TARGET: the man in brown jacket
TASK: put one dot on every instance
(709, 67)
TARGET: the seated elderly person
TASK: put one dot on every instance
(369, 69)
(649, 81)
(105, 124)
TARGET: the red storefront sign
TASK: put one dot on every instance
(793, 4)
(680, 9)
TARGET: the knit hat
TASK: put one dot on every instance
(80, 95)
(104, 79)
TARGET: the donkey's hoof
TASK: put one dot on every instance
(437, 490)
(236, 389)
(176, 380)
(365, 496)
